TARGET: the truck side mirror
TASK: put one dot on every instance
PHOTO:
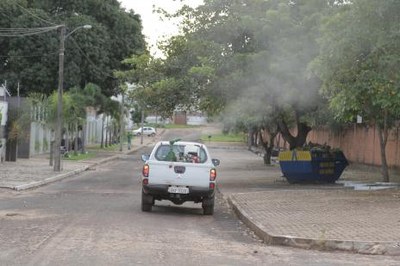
(215, 162)
(145, 157)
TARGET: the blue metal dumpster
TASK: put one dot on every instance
(315, 165)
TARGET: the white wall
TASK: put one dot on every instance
(3, 121)
(40, 135)
(3, 111)
(196, 120)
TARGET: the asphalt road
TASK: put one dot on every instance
(95, 219)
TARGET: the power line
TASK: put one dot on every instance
(27, 29)
(27, 56)
(35, 16)
(21, 32)
(89, 60)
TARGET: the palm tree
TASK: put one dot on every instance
(76, 116)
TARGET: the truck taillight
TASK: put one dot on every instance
(146, 170)
(213, 174)
(212, 185)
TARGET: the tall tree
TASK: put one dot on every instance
(31, 59)
(90, 56)
(358, 64)
(262, 46)
(150, 91)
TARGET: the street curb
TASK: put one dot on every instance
(362, 247)
(73, 172)
(50, 179)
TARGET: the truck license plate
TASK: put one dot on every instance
(178, 190)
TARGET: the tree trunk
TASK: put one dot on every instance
(268, 147)
(122, 126)
(67, 144)
(383, 136)
(302, 131)
(51, 153)
(256, 136)
(11, 150)
(110, 135)
(250, 138)
(106, 139)
(76, 147)
(84, 137)
(102, 131)
(268, 152)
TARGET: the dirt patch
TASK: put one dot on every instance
(21, 214)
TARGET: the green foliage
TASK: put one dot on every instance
(90, 55)
(79, 156)
(224, 138)
(77, 107)
(169, 126)
(358, 64)
(360, 72)
(136, 114)
(261, 64)
(142, 70)
(53, 103)
(249, 59)
(19, 120)
(39, 103)
(112, 147)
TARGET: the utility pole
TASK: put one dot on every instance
(122, 128)
(58, 136)
(142, 124)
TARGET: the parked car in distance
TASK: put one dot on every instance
(147, 131)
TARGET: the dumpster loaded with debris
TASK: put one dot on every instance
(313, 165)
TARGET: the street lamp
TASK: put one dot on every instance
(58, 137)
(77, 28)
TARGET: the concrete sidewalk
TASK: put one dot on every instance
(326, 217)
(36, 171)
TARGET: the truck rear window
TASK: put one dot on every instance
(181, 153)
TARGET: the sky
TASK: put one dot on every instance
(153, 28)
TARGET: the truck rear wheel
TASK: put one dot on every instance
(208, 206)
(147, 202)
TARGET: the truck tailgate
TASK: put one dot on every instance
(179, 174)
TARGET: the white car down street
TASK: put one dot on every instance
(147, 131)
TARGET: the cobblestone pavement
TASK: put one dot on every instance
(319, 216)
(363, 211)
(308, 216)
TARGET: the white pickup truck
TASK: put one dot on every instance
(179, 171)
